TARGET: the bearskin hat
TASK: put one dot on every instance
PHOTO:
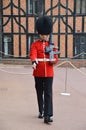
(44, 25)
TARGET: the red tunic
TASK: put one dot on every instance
(43, 69)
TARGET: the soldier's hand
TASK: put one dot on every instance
(34, 66)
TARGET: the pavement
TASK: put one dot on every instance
(18, 103)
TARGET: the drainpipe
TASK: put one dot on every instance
(0, 29)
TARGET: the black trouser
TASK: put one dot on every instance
(43, 87)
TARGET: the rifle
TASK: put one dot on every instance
(50, 49)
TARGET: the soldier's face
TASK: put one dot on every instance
(44, 37)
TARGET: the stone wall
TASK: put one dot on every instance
(62, 62)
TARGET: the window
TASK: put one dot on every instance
(31, 38)
(7, 46)
(81, 6)
(35, 6)
(80, 46)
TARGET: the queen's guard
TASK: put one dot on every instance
(42, 66)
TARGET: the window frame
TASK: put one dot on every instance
(34, 7)
(80, 6)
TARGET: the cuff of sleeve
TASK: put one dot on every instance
(34, 62)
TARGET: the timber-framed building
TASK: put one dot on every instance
(17, 26)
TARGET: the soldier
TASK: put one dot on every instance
(43, 68)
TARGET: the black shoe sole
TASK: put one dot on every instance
(40, 117)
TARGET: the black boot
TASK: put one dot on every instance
(40, 115)
(48, 120)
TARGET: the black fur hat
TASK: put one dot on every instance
(44, 25)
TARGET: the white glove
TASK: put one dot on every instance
(34, 64)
